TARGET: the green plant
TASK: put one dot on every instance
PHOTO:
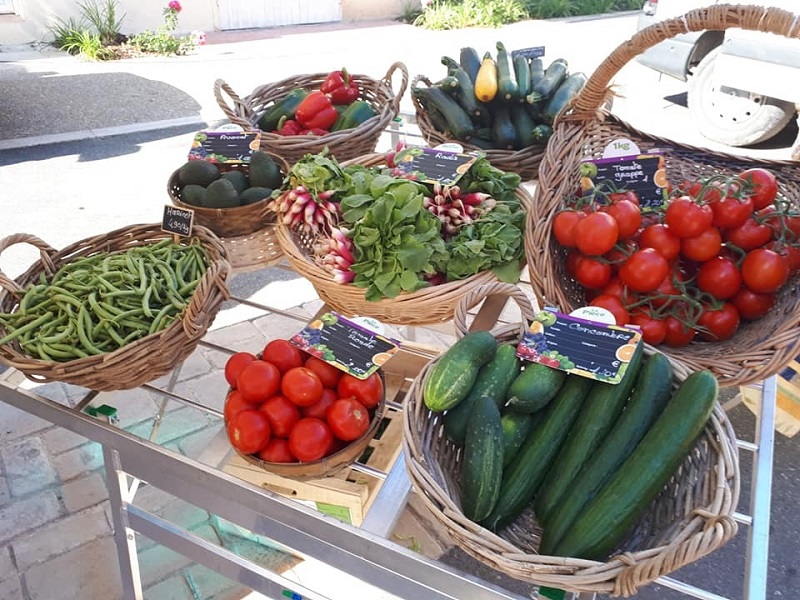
(164, 41)
(456, 14)
(552, 9)
(103, 17)
(411, 10)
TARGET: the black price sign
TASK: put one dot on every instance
(177, 220)
(346, 345)
(579, 346)
(534, 52)
(429, 165)
(644, 174)
(230, 147)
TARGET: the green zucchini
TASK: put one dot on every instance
(555, 73)
(516, 428)
(624, 498)
(465, 92)
(482, 143)
(482, 466)
(652, 391)
(535, 387)
(494, 379)
(523, 125)
(283, 107)
(522, 72)
(503, 133)
(470, 61)
(506, 81)
(603, 407)
(522, 477)
(459, 123)
(568, 89)
(536, 71)
(542, 133)
(437, 118)
(452, 376)
(449, 84)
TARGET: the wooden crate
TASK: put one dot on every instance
(787, 399)
(348, 494)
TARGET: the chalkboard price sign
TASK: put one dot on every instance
(643, 173)
(177, 220)
(534, 52)
(346, 345)
(579, 346)
(228, 147)
(431, 165)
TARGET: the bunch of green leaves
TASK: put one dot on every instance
(482, 176)
(103, 17)
(319, 173)
(163, 43)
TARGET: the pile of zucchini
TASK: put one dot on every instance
(502, 102)
(588, 456)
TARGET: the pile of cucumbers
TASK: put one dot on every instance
(587, 455)
(502, 102)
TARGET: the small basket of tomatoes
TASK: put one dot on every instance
(296, 415)
(711, 275)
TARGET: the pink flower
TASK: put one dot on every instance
(199, 37)
(174, 5)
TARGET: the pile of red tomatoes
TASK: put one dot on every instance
(716, 253)
(289, 406)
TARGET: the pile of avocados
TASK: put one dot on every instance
(202, 183)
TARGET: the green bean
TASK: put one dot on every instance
(146, 300)
(83, 336)
(26, 328)
(62, 335)
(66, 350)
(156, 324)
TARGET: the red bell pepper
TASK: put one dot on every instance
(341, 87)
(316, 111)
(288, 126)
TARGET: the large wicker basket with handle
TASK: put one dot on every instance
(344, 144)
(759, 348)
(690, 518)
(139, 361)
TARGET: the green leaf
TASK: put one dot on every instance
(507, 272)
(409, 281)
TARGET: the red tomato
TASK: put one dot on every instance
(282, 414)
(302, 386)
(249, 431)
(677, 333)
(627, 215)
(283, 354)
(348, 419)
(614, 305)
(368, 391)
(596, 233)
(591, 273)
(234, 403)
(320, 407)
(720, 277)
(702, 247)
(653, 330)
(718, 324)
(762, 186)
(615, 287)
(625, 195)
(752, 305)
(687, 218)
(749, 235)
(258, 381)
(668, 291)
(789, 252)
(327, 372)
(277, 450)
(235, 364)
(644, 270)
(310, 439)
(764, 271)
(563, 224)
(730, 211)
(621, 251)
(660, 237)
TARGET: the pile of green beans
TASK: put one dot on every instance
(100, 303)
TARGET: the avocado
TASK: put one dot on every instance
(198, 172)
(264, 171)
(193, 194)
(221, 194)
(254, 194)
(238, 179)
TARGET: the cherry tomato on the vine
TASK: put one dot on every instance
(660, 237)
(590, 272)
(764, 271)
(564, 223)
(596, 233)
(761, 185)
(730, 212)
(614, 305)
(718, 324)
(644, 270)
(749, 235)
(653, 330)
(687, 218)
(720, 277)
(627, 215)
(678, 333)
(752, 305)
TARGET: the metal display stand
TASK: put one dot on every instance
(364, 552)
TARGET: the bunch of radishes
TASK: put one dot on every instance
(454, 209)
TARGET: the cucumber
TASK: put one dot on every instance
(470, 61)
(523, 125)
(465, 91)
(516, 428)
(482, 466)
(602, 408)
(522, 72)
(503, 133)
(652, 391)
(535, 387)
(624, 498)
(568, 89)
(522, 477)
(494, 379)
(453, 375)
(506, 80)
(555, 73)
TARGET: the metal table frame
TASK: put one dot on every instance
(364, 552)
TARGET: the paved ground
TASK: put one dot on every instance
(86, 148)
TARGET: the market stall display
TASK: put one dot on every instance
(759, 347)
(113, 311)
(269, 107)
(619, 529)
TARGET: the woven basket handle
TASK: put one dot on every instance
(593, 95)
(240, 113)
(45, 250)
(387, 80)
(482, 292)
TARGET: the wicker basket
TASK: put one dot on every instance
(760, 348)
(434, 304)
(524, 161)
(140, 361)
(692, 517)
(345, 144)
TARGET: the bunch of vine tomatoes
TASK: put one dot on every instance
(286, 405)
(716, 253)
